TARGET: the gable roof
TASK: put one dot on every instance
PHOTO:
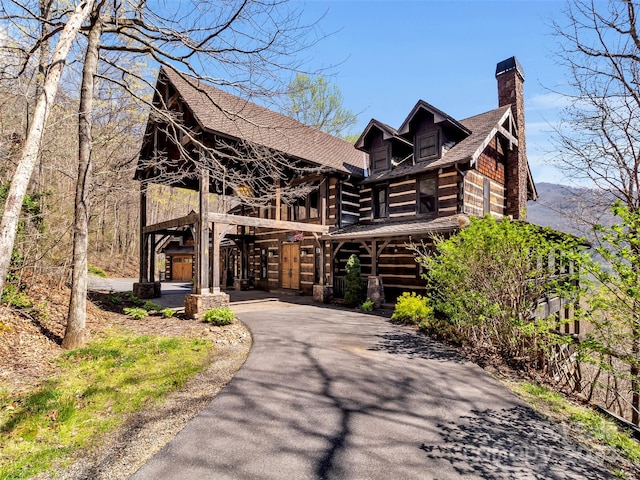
(481, 127)
(387, 133)
(439, 117)
(222, 113)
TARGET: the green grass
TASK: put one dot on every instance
(594, 424)
(97, 271)
(98, 385)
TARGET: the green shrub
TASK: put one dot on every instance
(219, 316)
(97, 271)
(412, 309)
(133, 299)
(367, 305)
(168, 312)
(353, 294)
(149, 305)
(11, 295)
(136, 312)
(114, 298)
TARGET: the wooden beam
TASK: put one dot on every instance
(266, 223)
(190, 219)
(384, 245)
(202, 277)
(142, 277)
(152, 259)
(366, 247)
(219, 231)
(512, 140)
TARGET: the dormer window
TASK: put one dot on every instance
(428, 147)
(379, 159)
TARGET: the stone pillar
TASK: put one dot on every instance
(147, 289)
(375, 291)
(322, 293)
(196, 305)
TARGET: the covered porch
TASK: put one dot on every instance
(209, 231)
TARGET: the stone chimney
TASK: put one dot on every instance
(510, 78)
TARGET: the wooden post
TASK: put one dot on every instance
(323, 203)
(374, 258)
(152, 259)
(278, 201)
(217, 230)
(143, 268)
(202, 276)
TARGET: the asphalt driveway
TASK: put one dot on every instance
(334, 394)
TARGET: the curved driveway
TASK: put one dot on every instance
(334, 394)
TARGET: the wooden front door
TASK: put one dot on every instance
(182, 269)
(290, 273)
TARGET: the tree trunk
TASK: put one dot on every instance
(76, 318)
(20, 180)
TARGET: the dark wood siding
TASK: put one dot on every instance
(402, 198)
(349, 203)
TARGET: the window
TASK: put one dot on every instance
(428, 146)
(428, 195)
(486, 196)
(263, 264)
(379, 159)
(380, 202)
(314, 204)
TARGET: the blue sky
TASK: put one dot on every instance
(389, 54)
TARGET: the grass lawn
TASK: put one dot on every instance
(97, 387)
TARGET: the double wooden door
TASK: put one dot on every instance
(290, 266)
(182, 268)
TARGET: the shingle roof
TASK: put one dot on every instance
(440, 117)
(221, 112)
(388, 133)
(399, 229)
(481, 127)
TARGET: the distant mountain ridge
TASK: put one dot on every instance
(569, 209)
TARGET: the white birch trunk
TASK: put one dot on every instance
(20, 180)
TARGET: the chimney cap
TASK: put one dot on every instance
(508, 65)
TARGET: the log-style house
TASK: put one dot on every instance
(393, 187)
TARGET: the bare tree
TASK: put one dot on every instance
(598, 138)
(251, 40)
(31, 147)
(76, 318)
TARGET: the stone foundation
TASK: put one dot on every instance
(196, 305)
(375, 291)
(147, 289)
(322, 293)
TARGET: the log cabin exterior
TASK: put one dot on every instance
(393, 187)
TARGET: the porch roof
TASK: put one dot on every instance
(399, 229)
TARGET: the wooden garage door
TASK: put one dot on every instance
(182, 269)
(290, 263)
